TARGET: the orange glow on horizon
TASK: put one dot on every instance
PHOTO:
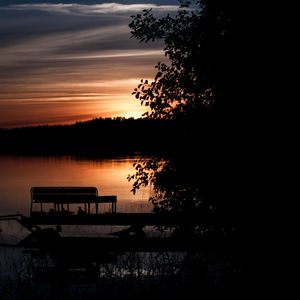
(59, 68)
(67, 103)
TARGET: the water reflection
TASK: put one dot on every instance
(112, 267)
(19, 173)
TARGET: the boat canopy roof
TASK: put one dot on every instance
(64, 195)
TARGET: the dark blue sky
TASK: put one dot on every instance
(63, 61)
(87, 2)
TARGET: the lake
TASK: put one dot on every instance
(19, 173)
(114, 274)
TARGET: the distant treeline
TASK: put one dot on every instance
(98, 136)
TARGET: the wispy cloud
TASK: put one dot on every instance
(117, 54)
(61, 60)
(95, 9)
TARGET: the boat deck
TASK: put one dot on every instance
(151, 219)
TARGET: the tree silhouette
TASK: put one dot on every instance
(196, 90)
(198, 44)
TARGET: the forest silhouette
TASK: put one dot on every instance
(100, 137)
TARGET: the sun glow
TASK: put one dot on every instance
(72, 65)
(69, 102)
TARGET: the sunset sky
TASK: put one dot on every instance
(66, 61)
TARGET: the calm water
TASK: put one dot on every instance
(19, 174)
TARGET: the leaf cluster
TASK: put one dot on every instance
(194, 87)
(195, 39)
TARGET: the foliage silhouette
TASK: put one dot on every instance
(195, 90)
(203, 171)
(198, 44)
(101, 136)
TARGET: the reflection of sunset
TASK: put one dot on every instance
(19, 174)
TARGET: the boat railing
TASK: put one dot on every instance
(56, 201)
